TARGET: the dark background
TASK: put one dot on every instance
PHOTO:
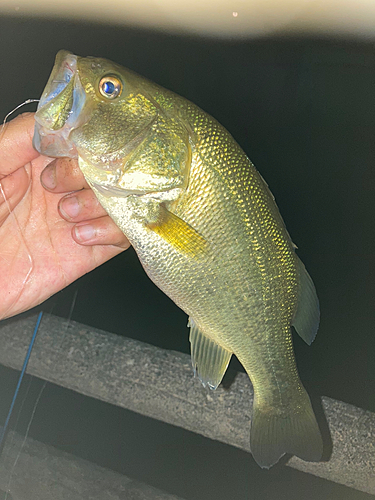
(303, 110)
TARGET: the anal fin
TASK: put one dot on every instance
(208, 358)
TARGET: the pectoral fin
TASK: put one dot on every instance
(209, 360)
(178, 233)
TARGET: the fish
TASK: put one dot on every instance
(205, 227)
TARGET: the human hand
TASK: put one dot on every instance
(48, 238)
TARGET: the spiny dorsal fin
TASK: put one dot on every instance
(209, 360)
(306, 319)
(178, 233)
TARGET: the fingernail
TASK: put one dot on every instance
(84, 232)
(48, 177)
(70, 207)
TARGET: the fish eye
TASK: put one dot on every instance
(110, 86)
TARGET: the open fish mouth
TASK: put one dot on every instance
(60, 109)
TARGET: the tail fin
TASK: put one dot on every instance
(275, 432)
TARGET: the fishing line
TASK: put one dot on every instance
(19, 413)
(59, 350)
(28, 101)
(13, 215)
(5, 428)
(24, 441)
(25, 363)
(3, 431)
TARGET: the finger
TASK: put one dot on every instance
(63, 175)
(102, 231)
(16, 147)
(80, 206)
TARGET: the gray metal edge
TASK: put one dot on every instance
(160, 384)
(30, 470)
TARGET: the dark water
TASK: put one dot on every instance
(303, 110)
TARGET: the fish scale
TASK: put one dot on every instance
(206, 229)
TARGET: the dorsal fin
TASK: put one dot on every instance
(306, 319)
(208, 358)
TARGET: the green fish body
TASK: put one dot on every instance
(205, 227)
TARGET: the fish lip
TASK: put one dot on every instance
(69, 64)
(55, 142)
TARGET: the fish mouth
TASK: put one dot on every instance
(60, 109)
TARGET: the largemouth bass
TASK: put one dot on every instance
(206, 229)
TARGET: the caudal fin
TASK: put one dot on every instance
(275, 432)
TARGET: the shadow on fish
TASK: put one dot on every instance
(205, 227)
